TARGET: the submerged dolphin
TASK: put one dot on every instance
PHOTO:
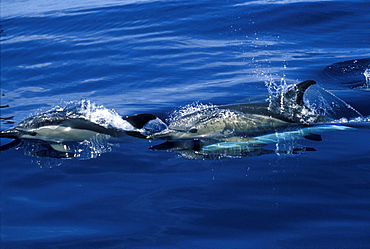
(57, 128)
(238, 122)
(256, 146)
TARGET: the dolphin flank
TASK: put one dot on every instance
(56, 128)
(238, 122)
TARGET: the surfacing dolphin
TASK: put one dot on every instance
(245, 121)
(57, 129)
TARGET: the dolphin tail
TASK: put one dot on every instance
(146, 124)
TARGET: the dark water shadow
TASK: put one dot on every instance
(348, 73)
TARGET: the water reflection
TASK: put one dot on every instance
(6, 120)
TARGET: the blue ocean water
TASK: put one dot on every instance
(158, 56)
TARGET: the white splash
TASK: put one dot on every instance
(275, 89)
(187, 109)
(97, 114)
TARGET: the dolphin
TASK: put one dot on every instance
(57, 128)
(199, 149)
(245, 121)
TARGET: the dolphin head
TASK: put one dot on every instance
(169, 134)
(208, 123)
(203, 130)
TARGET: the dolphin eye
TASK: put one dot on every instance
(193, 130)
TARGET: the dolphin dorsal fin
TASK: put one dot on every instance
(291, 107)
(295, 94)
(292, 98)
(139, 120)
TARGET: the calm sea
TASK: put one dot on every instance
(157, 56)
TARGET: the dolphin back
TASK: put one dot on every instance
(289, 106)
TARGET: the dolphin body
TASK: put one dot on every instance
(245, 121)
(58, 129)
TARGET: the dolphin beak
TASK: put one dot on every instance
(164, 135)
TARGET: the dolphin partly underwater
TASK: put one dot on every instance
(243, 130)
(231, 122)
(57, 129)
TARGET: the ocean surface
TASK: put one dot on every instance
(169, 57)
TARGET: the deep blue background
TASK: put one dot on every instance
(155, 56)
